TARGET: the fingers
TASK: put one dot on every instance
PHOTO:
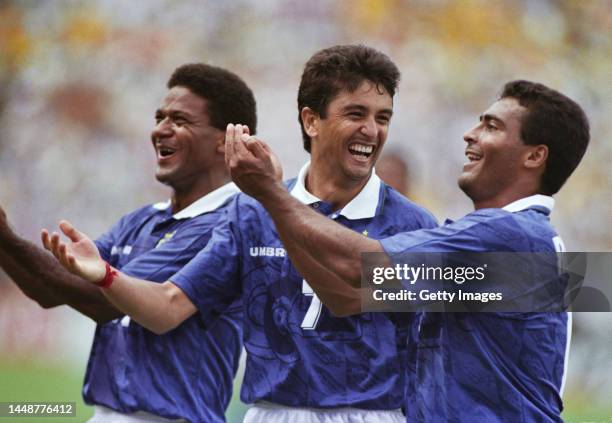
(59, 249)
(232, 136)
(266, 147)
(244, 152)
(44, 237)
(256, 147)
(239, 143)
(62, 255)
(55, 241)
(235, 148)
(70, 231)
(229, 133)
(66, 259)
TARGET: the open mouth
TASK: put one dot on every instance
(361, 151)
(473, 156)
(165, 152)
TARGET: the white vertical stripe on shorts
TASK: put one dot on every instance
(107, 415)
(265, 412)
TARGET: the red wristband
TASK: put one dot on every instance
(109, 277)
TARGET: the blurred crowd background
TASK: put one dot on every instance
(80, 81)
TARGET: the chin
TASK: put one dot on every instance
(359, 174)
(464, 184)
(164, 178)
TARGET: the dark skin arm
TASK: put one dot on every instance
(326, 254)
(40, 277)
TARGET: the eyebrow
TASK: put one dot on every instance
(363, 108)
(173, 113)
(489, 117)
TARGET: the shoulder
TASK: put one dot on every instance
(246, 213)
(244, 202)
(500, 230)
(536, 228)
(395, 203)
(141, 214)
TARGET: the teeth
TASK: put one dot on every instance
(165, 151)
(472, 156)
(360, 148)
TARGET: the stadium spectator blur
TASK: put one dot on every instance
(392, 168)
(81, 80)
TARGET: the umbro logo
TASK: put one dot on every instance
(127, 249)
(267, 252)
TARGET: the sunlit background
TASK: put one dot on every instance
(80, 81)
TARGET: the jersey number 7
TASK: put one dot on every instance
(314, 311)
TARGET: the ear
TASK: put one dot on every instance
(220, 143)
(310, 120)
(536, 156)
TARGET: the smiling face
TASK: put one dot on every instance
(351, 136)
(185, 143)
(496, 155)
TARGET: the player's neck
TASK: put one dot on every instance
(338, 191)
(186, 194)
(503, 199)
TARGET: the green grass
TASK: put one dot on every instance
(22, 381)
(579, 409)
(28, 381)
(31, 381)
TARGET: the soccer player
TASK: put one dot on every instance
(303, 363)
(480, 367)
(133, 374)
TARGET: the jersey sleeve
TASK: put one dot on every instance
(211, 279)
(160, 263)
(106, 241)
(490, 230)
(442, 239)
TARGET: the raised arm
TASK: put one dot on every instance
(43, 280)
(308, 236)
(159, 307)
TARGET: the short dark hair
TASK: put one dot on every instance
(556, 121)
(228, 98)
(338, 68)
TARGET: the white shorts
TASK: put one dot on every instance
(107, 415)
(265, 412)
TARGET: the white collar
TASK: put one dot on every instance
(205, 204)
(362, 206)
(534, 200)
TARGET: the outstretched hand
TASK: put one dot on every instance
(252, 164)
(79, 256)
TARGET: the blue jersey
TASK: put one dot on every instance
(298, 353)
(489, 367)
(188, 372)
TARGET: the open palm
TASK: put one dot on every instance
(79, 256)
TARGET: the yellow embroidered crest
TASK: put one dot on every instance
(167, 237)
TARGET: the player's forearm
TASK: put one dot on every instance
(45, 281)
(28, 285)
(333, 246)
(156, 306)
(339, 297)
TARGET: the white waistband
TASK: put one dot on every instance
(106, 415)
